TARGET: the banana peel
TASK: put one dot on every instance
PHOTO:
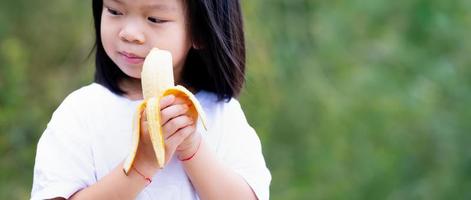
(157, 81)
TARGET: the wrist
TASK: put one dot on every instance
(146, 178)
(189, 153)
(192, 155)
(147, 168)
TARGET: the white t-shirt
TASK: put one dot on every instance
(90, 134)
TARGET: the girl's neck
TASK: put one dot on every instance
(132, 88)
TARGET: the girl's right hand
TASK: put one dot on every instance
(172, 109)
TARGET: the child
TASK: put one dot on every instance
(80, 154)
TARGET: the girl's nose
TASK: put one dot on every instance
(132, 33)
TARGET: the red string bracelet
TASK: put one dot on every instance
(189, 158)
(148, 179)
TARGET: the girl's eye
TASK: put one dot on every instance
(113, 12)
(155, 20)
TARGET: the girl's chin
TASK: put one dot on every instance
(135, 77)
(132, 74)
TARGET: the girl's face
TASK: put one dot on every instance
(131, 28)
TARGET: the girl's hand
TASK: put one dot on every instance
(178, 128)
(178, 132)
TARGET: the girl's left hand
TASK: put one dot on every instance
(189, 146)
(179, 129)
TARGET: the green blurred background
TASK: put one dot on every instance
(357, 99)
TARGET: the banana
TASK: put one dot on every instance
(157, 81)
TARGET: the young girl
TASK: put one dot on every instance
(80, 154)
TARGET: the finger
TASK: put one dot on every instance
(166, 101)
(172, 112)
(176, 139)
(143, 121)
(143, 127)
(189, 140)
(180, 100)
(174, 124)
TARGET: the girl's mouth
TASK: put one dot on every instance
(131, 58)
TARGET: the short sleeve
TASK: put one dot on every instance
(64, 160)
(243, 151)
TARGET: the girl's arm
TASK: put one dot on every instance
(217, 181)
(115, 185)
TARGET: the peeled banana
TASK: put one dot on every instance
(157, 81)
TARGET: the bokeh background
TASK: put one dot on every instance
(352, 99)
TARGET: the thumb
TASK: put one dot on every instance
(144, 131)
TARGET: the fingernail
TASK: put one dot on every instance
(169, 98)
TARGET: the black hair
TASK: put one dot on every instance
(216, 65)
